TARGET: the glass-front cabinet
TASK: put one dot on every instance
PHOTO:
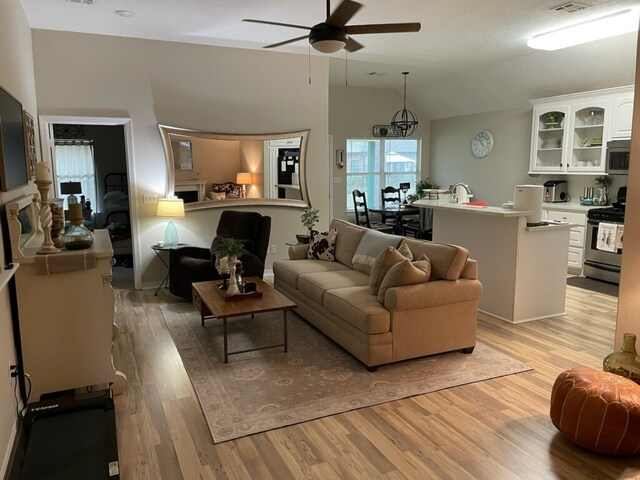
(587, 153)
(570, 132)
(549, 137)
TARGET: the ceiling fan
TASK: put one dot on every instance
(334, 34)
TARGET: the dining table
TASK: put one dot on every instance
(397, 212)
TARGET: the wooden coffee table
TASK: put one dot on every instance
(210, 301)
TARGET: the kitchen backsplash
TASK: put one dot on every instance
(576, 183)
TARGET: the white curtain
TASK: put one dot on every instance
(74, 163)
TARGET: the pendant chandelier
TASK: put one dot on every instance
(405, 122)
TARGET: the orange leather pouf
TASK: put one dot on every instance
(597, 410)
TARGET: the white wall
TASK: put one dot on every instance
(16, 76)
(192, 86)
(353, 112)
(493, 177)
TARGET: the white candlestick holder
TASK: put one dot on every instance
(46, 218)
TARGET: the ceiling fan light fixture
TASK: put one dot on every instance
(328, 46)
(404, 121)
(326, 38)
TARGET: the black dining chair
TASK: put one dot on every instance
(389, 196)
(362, 213)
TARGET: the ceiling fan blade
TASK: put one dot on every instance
(352, 46)
(343, 13)
(383, 28)
(276, 23)
(291, 40)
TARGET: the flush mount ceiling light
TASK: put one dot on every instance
(124, 13)
(405, 122)
(595, 29)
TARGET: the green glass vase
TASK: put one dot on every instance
(626, 362)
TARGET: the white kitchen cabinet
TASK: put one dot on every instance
(575, 143)
(621, 115)
(576, 236)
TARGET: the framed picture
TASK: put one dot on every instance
(182, 159)
(29, 143)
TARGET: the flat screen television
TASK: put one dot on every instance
(13, 160)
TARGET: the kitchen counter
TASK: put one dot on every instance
(570, 207)
(444, 204)
(523, 269)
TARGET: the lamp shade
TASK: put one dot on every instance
(243, 179)
(70, 188)
(170, 207)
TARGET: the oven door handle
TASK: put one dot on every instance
(597, 222)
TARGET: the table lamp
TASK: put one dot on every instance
(172, 208)
(244, 179)
(404, 188)
(70, 188)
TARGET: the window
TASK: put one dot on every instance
(74, 163)
(375, 164)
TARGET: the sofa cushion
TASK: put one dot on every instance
(405, 273)
(348, 238)
(314, 285)
(357, 307)
(323, 246)
(447, 261)
(372, 243)
(387, 259)
(289, 271)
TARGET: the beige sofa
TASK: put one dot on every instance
(413, 320)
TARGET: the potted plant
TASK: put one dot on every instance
(421, 186)
(308, 218)
(603, 181)
(231, 251)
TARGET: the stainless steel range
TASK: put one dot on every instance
(605, 231)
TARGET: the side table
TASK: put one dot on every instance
(158, 249)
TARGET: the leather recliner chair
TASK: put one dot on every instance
(197, 264)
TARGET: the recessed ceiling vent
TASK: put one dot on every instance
(570, 8)
(86, 2)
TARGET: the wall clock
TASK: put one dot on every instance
(482, 143)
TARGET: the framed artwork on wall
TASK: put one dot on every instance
(29, 143)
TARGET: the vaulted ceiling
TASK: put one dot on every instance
(458, 39)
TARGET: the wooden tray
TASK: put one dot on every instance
(240, 296)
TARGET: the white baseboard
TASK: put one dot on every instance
(10, 443)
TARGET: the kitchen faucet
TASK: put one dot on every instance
(454, 193)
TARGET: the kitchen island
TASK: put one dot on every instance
(523, 269)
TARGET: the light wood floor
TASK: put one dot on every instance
(498, 429)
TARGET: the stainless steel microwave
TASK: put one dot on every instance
(618, 152)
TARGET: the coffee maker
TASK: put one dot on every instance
(555, 191)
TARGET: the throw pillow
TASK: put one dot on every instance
(387, 259)
(405, 273)
(369, 248)
(323, 246)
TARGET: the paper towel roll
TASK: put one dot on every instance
(529, 197)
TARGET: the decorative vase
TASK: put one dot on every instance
(77, 236)
(626, 362)
(233, 282)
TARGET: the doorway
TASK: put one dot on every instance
(103, 145)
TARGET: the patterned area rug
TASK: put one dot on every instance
(267, 389)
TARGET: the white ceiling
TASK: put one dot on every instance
(457, 36)
(455, 33)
